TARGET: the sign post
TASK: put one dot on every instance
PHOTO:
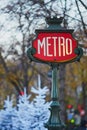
(54, 46)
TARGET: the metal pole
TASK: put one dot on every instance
(54, 122)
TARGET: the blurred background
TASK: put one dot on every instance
(18, 21)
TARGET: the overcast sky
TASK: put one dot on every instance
(8, 32)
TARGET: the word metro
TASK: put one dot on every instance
(60, 45)
(54, 47)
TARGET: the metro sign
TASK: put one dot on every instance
(54, 47)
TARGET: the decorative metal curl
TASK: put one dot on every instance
(79, 52)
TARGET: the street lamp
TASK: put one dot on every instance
(54, 46)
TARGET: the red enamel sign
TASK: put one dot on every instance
(55, 47)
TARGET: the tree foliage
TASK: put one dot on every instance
(26, 115)
(22, 17)
(76, 76)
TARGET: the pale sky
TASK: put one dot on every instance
(8, 33)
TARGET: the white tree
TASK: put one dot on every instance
(41, 112)
(27, 115)
(6, 115)
(24, 113)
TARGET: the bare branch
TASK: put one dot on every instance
(83, 4)
(83, 24)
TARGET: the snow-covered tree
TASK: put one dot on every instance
(6, 115)
(41, 112)
(27, 115)
(24, 113)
